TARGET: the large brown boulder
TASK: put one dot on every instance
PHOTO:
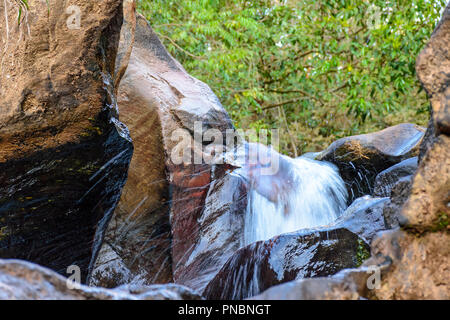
(186, 234)
(138, 242)
(419, 266)
(432, 66)
(420, 253)
(21, 280)
(428, 208)
(64, 154)
(303, 254)
(361, 158)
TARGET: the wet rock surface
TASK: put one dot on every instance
(361, 158)
(399, 195)
(64, 157)
(303, 254)
(364, 217)
(407, 267)
(64, 154)
(21, 280)
(187, 234)
(387, 179)
(138, 241)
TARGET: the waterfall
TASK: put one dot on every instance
(302, 193)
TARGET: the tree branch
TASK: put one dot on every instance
(276, 105)
(296, 91)
(179, 48)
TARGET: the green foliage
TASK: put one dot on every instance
(362, 254)
(442, 223)
(23, 6)
(318, 70)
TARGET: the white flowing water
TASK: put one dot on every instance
(304, 194)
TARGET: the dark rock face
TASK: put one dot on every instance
(364, 217)
(386, 180)
(20, 280)
(64, 154)
(183, 220)
(399, 194)
(304, 254)
(361, 158)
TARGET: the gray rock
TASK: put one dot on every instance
(310, 155)
(27, 281)
(348, 284)
(389, 177)
(364, 217)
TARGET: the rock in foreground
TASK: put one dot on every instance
(20, 280)
(303, 254)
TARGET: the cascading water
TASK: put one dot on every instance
(297, 194)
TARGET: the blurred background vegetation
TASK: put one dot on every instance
(316, 70)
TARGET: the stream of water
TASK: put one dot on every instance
(303, 193)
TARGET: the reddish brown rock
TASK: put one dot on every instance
(428, 207)
(64, 154)
(194, 210)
